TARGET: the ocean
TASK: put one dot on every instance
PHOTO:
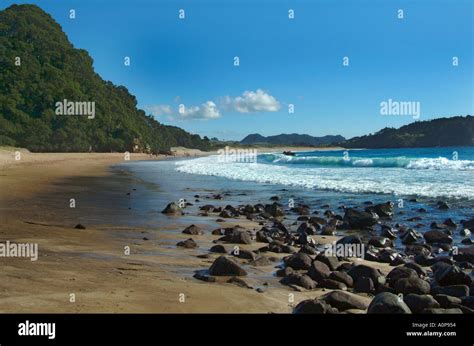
(442, 173)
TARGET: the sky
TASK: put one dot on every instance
(291, 76)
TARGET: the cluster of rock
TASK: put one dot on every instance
(428, 276)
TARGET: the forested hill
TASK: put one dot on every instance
(455, 131)
(291, 139)
(49, 70)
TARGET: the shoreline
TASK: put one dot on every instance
(91, 263)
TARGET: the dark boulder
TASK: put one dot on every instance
(411, 285)
(455, 290)
(299, 280)
(314, 306)
(417, 303)
(388, 303)
(172, 209)
(382, 210)
(331, 261)
(188, 244)
(218, 249)
(446, 301)
(319, 271)
(464, 254)
(193, 230)
(448, 275)
(342, 277)
(362, 270)
(364, 285)
(357, 219)
(224, 266)
(332, 284)
(437, 236)
(274, 210)
(343, 300)
(298, 261)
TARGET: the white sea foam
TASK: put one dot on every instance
(413, 180)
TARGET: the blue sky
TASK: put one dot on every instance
(283, 61)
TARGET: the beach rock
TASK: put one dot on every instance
(410, 237)
(245, 254)
(284, 272)
(468, 301)
(382, 210)
(274, 210)
(388, 303)
(349, 239)
(172, 209)
(418, 303)
(298, 261)
(237, 236)
(249, 209)
(362, 270)
(317, 221)
(188, 244)
(342, 277)
(360, 219)
(380, 242)
(442, 205)
(308, 249)
(318, 271)
(412, 284)
(217, 231)
(388, 232)
(332, 284)
(277, 247)
(194, 230)
(446, 301)
(207, 207)
(417, 268)
(400, 273)
(314, 306)
(455, 290)
(418, 249)
(306, 228)
(331, 261)
(364, 285)
(343, 300)
(449, 275)
(464, 254)
(299, 280)
(437, 236)
(450, 223)
(224, 266)
(301, 210)
(80, 226)
(260, 261)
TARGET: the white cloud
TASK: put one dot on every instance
(252, 101)
(158, 110)
(207, 110)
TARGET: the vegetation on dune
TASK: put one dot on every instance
(50, 70)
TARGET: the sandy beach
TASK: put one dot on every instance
(109, 253)
(90, 263)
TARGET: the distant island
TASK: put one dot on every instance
(40, 68)
(292, 140)
(442, 132)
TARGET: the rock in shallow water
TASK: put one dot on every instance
(357, 219)
(224, 266)
(188, 244)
